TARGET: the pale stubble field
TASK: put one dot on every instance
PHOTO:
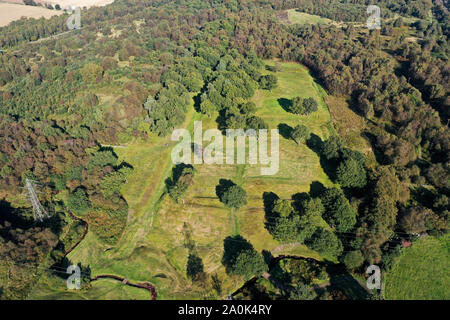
(10, 11)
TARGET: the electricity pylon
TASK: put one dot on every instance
(39, 212)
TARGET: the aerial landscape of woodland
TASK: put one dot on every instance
(338, 187)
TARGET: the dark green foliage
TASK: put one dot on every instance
(248, 108)
(268, 82)
(416, 220)
(288, 226)
(326, 242)
(353, 259)
(286, 229)
(234, 197)
(332, 147)
(301, 106)
(194, 267)
(310, 105)
(351, 174)
(302, 292)
(300, 133)
(168, 108)
(78, 202)
(283, 208)
(297, 106)
(339, 212)
(102, 158)
(303, 271)
(182, 178)
(249, 263)
(54, 113)
(439, 175)
(240, 258)
(112, 182)
(256, 123)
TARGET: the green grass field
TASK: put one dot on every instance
(152, 246)
(296, 17)
(421, 272)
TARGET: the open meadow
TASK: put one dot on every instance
(153, 246)
(295, 16)
(421, 272)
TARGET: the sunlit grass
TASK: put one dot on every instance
(305, 18)
(422, 272)
(152, 246)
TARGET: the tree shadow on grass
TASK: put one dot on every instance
(221, 121)
(194, 266)
(341, 279)
(233, 246)
(268, 257)
(372, 139)
(315, 143)
(285, 130)
(316, 189)
(177, 170)
(298, 199)
(286, 104)
(197, 100)
(269, 199)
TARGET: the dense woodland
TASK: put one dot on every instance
(135, 68)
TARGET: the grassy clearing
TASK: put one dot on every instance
(210, 221)
(296, 17)
(152, 247)
(350, 126)
(422, 272)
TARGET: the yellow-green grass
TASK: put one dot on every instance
(54, 288)
(296, 17)
(130, 257)
(350, 126)
(210, 221)
(152, 246)
(421, 272)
